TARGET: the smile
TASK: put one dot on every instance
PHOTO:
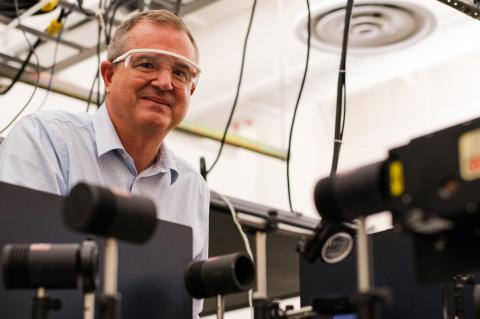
(158, 100)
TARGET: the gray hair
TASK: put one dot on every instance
(161, 17)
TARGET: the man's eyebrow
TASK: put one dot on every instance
(184, 65)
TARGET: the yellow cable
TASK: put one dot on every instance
(54, 27)
(50, 6)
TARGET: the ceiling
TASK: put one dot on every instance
(276, 56)
(276, 51)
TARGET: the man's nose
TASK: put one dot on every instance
(163, 80)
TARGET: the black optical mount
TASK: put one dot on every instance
(366, 305)
(220, 276)
(44, 266)
(332, 243)
(431, 186)
(113, 214)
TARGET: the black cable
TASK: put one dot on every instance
(96, 79)
(309, 32)
(61, 19)
(12, 10)
(89, 100)
(22, 4)
(98, 55)
(109, 26)
(8, 8)
(222, 143)
(341, 92)
(344, 113)
(112, 17)
(177, 7)
(82, 10)
(36, 81)
(17, 76)
(106, 13)
(22, 68)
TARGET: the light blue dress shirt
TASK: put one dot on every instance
(53, 151)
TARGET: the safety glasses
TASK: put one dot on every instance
(149, 63)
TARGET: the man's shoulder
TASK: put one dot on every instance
(56, 118)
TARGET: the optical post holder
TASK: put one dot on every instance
(42, 305)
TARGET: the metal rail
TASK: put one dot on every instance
(466, 8)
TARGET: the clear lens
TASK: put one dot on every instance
(149, 66)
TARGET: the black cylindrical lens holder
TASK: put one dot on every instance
(346, 196)
(101, 211)
(51, 266)
(220, 275)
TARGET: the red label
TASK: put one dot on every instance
(474, 163)
(40, 247)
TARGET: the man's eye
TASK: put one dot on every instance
(181, 74)
(145, 66)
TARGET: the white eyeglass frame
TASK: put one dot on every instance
(124, 56)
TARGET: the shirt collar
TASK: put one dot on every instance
(106, 136)
(165, 162)
(107, 140)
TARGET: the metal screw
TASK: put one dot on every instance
(440, 244)
(471, 208)
(406, 198)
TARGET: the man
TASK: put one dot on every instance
(149, 76)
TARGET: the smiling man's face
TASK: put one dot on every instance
(135, 103)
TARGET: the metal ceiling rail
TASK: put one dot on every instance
(60, 87)
(85, 54)
(43, 35)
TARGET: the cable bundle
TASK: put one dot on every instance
(7, 7)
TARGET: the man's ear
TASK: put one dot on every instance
(107, 70)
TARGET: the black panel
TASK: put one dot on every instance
(150, 276)
(282, 258)
(393, 267)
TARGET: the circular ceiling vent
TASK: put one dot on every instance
(376, 26)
